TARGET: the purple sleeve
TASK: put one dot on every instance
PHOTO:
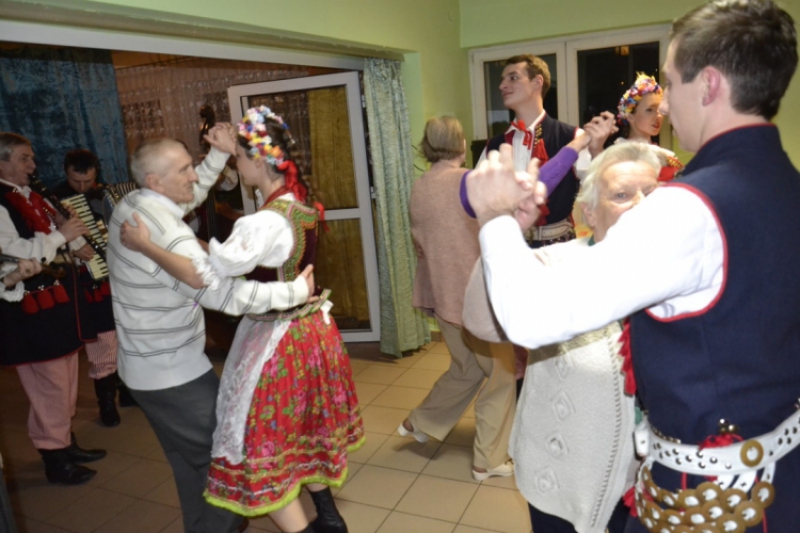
(464, 197)
(554, 170)
(550, 174)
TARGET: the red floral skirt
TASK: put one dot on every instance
(303, 420)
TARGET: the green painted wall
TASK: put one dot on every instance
(490, 23)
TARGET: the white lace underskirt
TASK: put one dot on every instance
(253, 346)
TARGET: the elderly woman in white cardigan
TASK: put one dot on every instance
(572, 439)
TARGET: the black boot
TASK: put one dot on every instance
(60, 468)
(106, 390)
(125, 397)
(79, 455)
(328, 519)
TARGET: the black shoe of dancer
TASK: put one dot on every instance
(328, 519)
(60, 468)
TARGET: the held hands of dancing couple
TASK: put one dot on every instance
(222, 136)
(494, 188)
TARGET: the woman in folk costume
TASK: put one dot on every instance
(287, 411)
(640, 121)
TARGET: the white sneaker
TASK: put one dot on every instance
(417, 434)
(504, 470)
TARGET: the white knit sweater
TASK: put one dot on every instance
(572, 440)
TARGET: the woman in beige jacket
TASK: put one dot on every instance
(446, 239)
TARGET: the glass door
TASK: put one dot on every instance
(325, 117)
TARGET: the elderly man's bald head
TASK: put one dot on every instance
(147, 158)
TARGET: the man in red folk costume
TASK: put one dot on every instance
(41, 335)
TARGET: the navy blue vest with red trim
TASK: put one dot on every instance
(556, 136)
(739, 359)
(49, 333)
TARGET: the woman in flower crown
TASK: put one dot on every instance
(287, 411)
(640, 121)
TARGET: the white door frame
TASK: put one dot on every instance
(237, 97)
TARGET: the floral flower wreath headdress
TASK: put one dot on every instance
(253, 129)
(643, 85)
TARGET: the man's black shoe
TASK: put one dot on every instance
(79, 455)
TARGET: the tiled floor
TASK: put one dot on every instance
(395, 484)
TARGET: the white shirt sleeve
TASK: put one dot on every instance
(581, 166)
(231, 295)
(667, 253)
(41, 246)
(263, 238)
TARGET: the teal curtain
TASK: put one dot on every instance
(402, 327)
(63, 99)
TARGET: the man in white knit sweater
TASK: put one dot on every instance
(160, 324)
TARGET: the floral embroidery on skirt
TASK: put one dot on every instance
(302, 422)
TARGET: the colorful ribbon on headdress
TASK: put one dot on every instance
(289, 170)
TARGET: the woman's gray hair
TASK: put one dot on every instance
(619, 153)
(9, 141)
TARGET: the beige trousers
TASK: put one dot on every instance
(472, 362)
(52, 389)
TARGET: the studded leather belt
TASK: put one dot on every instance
(736, 459)
(723, 505)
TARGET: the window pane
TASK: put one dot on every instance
(340, 268)
(604, 74)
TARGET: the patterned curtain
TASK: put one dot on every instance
(164, 99)
(62, 99)
(402, 327)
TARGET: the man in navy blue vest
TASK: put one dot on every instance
(533, 133)
(706, 268)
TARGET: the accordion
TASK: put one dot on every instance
(113, 194)
(97, 266)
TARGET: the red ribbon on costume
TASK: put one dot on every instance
(527, 141)
(720, 441)
(627, 358)
(629, 499)
(38, 214)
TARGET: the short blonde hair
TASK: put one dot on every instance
(443, 139)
